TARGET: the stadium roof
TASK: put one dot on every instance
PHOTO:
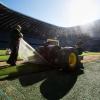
(10, 18)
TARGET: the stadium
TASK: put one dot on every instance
(66, 75)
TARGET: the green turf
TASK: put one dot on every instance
(4, 58)
(22, 69)
(2, 52)
(90, 53)
(8, 70)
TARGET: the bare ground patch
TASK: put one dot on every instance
(90, 58)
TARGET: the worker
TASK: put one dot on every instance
(14, 45)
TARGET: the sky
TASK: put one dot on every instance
(64, 13)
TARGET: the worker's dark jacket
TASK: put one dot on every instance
(15, 36)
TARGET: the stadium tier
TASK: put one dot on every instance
(36, 32)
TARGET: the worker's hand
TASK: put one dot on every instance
(21, 35)
(19, 38)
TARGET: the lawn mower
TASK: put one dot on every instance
(65, 58)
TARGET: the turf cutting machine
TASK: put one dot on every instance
(60, 57)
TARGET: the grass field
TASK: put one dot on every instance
(90, 53)
(54, 85)
(34, 82)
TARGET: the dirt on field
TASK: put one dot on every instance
(90, 58)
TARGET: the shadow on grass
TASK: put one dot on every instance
(26, 69)
(13, 72)
(56, 84)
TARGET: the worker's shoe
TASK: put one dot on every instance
(13, 64)
(8, 62)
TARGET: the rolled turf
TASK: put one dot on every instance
(22, 69)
